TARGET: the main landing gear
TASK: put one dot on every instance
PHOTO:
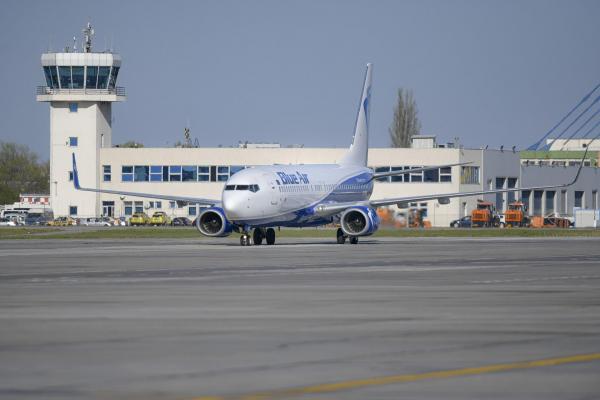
(258, 235)
(341, 237)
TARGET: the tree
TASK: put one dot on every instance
(406, 124)
(131, 144)
(21, 172)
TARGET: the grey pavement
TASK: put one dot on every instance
(181, 319)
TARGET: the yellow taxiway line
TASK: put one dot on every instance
(386, 380)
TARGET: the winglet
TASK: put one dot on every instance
(75, 174)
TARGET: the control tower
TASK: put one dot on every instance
(80, 87)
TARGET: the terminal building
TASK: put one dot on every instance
(81, 88)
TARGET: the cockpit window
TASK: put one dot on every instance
(253, 188)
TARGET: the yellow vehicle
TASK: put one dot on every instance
(139, 219)
(62, 221)
(160, 218)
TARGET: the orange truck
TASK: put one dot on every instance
(484, 215)
(516, 215)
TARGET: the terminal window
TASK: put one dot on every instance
(435, 175)
(469, 175)
(73, 107)
(72, 210)
(70, 176)
(106, 176)
(73, 141)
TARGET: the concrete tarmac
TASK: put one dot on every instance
(184, 319)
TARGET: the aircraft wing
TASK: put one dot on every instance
(333, 208)
(183, 199)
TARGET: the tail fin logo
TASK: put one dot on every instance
(366, 105)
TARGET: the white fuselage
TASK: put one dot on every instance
(285, 195)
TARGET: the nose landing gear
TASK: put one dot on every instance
(257, 237)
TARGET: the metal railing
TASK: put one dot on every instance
(45, 90)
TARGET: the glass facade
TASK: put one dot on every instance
(103, 77)
(91, 77)
(65, 77)
(113, 77)
(178, 173)
(77, 74)
(79, 77)
(48, 76)
(469, 175)
(435, 175)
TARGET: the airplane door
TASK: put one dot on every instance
(274, 190)
(275, 195)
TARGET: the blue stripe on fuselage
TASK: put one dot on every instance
(356, 188)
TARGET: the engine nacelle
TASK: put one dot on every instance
(359, 221)
(212, 222)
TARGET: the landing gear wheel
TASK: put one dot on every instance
(341, 239)
(257, 236)
(270, 235)
(354, 240)
(245, 240)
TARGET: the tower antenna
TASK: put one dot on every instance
(88, 32)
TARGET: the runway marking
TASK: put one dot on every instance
(386, 380)
(546, 278)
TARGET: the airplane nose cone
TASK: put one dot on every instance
(234, 206)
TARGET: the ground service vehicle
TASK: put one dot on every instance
(159, 218)
(516, 215)
(256, 200)
(62, 221)
(138, 219)
(484, 215)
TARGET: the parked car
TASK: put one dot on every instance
(7, 222)
(36, 219)
(104, 221)
(138, 219)
(181, 221)
(160, 218)
(464, 222)
(120, 221)
(62, 221)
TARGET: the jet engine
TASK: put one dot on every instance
(212, 222)
(359, 221)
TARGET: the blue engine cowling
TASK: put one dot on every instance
(212, 222)
(359, 221)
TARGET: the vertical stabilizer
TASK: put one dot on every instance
(357, 155)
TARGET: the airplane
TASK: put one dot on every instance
(260, 198)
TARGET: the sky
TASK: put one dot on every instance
(488, 72)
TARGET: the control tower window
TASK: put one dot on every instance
(113, 77)
(91, 77)
(48, 76)
(77, 77)
(103, 73)
(65, 77)
(54, 74)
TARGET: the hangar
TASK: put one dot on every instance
(81, 88)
